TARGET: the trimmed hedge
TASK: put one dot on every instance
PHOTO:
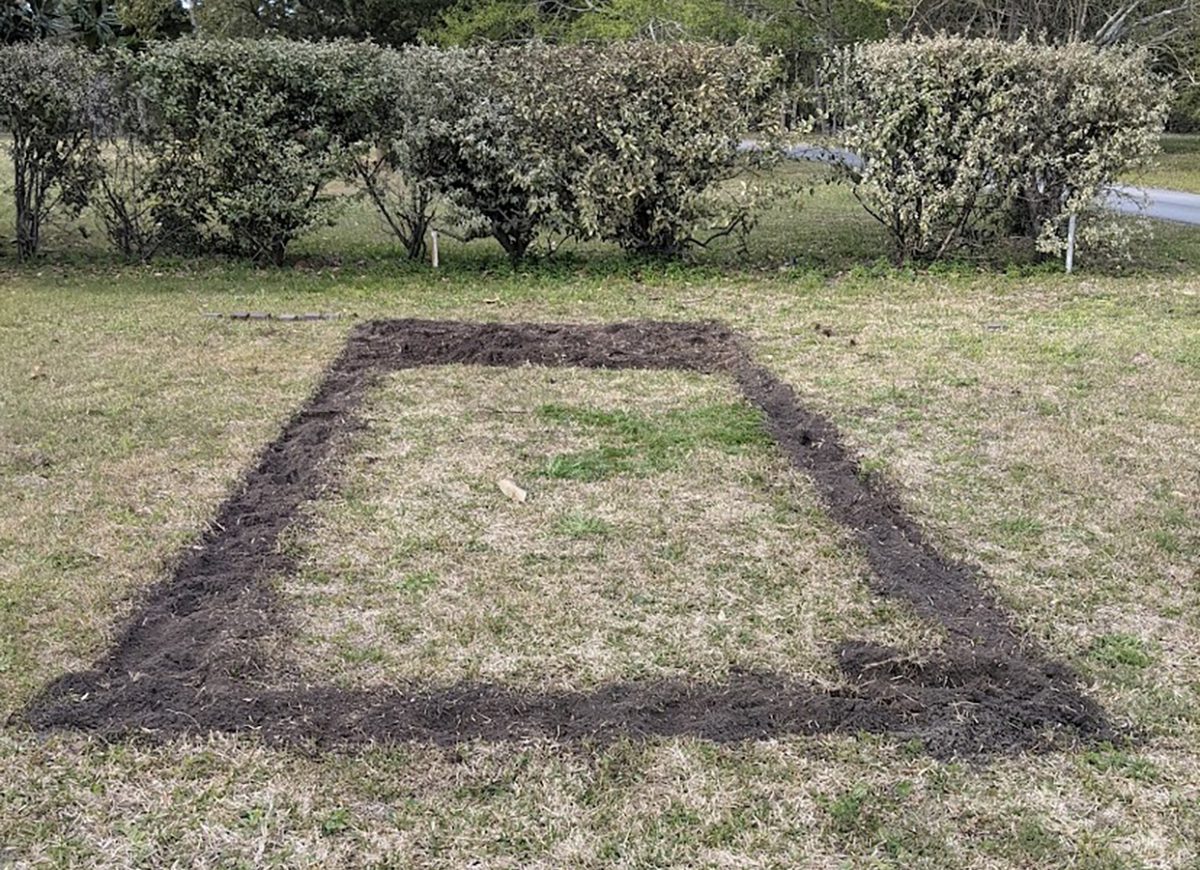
(251, 132)
(626, 143)
(654, 129)
(965, 141)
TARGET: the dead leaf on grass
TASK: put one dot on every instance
(510, 489)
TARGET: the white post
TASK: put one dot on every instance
(1071, 244)
(433, 248)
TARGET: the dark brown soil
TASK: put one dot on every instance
(190, 659)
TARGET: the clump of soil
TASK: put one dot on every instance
(190, 658)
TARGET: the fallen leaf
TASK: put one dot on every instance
(510, 489)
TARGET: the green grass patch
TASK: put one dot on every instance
(1121, 650)
(583, 526)
(1177, 167)
(418, 582)
(1107, 759)
(640, 445)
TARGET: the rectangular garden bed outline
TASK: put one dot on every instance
(190, 661)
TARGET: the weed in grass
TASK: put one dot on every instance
(254, 817)
(870, 468)
(1022, 528)
(848, 810)
(1046, 408)
(740, 823)
(673, 551)
(579, 525)
(336, 822)
(397, 629)
(1121, 650)
(1175, 515)
(640, 445)
(877, 817)
(1107, 759)
(943, 779)
(418, 582)
(892, 394)
(1166, 540)
(70, 560)
(363, 654)
(600, 464)
(914, 748)
(1032, 841)
(1019, 472)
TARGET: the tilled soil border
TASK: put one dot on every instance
(190, 659)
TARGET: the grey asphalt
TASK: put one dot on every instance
(1153, 202)
(1164, 205)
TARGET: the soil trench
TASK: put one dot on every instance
(189, 660)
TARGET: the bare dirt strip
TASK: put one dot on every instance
(190, 658)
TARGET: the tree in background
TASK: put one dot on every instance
(44, 93)
(803, 32)
(1169, 29)
(1152, 23)
(92, 23)
(472, 22)
(787, 25)
(146, 20)
(387, 22)
(98, 23)
(662, 20)
(800, 32)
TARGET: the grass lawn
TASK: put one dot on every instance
(1044, 428)
(653, 546)
(1177, 167)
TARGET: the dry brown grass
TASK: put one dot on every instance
(1047, 428)
(420, 569)
(812, 803)
(1054, 441)
(117, 438)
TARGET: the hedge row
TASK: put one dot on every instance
(232, 145)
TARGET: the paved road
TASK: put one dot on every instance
(818, 154)
(1166, 205)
